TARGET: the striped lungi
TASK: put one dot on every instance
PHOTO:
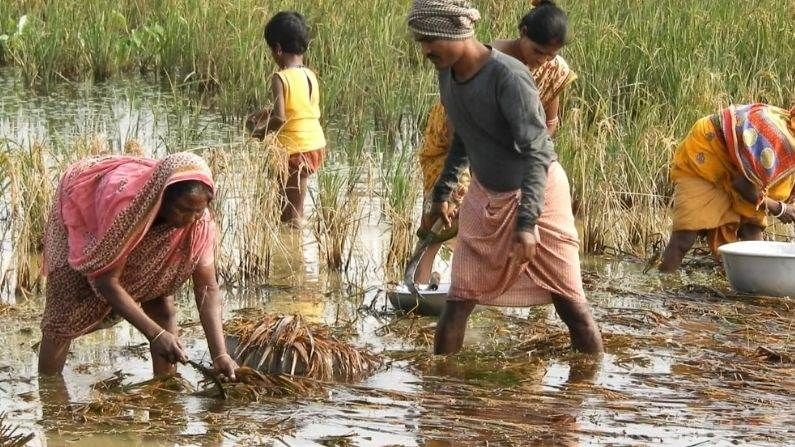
(483, 270)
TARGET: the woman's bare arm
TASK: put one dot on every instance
(551, 111)
(162, 342)
(208, 301)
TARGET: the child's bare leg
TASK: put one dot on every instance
(678, 246)
(52, 355)
(162, 311)
(425, 266)
(452, 326)
(292, 193)
(584, 332)
(295, 194)
(303, 186)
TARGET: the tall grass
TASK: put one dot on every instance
(338, 214)
(28, 177)
(249, 179)
(400, 190)
(647, 69)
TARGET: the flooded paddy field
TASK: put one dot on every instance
(688, 362)
(685, 365)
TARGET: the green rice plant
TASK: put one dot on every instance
(647, 69)
(337, 214)
(249, 180)
(400, 190)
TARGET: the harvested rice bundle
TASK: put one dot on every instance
(286, 344)
(253, 385)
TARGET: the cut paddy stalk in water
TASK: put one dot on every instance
(11, 436)
(287, 344)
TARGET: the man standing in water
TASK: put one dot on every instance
(517, 243)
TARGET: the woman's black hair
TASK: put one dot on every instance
(288, 29)
(186, 187)
(546, 24)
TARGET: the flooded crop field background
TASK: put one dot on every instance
(688, 361)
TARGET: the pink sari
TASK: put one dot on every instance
(102, 219)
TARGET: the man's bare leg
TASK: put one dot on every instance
(678, 246)
(451, 327)
(584, 332)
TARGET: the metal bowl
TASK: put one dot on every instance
(431, 302)
(760, 267)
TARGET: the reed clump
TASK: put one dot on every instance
(338, 213)
(400, 191)
(28, 200)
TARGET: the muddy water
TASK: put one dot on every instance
(687, 363)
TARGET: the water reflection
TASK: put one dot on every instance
(119, 110)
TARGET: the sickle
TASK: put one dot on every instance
(437, 234)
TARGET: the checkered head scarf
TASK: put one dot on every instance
(443, 19)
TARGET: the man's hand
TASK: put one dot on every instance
(439, 210)
(525, 248)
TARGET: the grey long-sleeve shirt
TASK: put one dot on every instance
(500, 132)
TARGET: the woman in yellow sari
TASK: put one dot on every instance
(733, 171)
(542, 34)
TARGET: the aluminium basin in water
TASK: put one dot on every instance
(760, 267)
(431, 302)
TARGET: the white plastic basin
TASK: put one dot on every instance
(761, 267)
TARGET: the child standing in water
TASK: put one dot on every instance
(295, 118)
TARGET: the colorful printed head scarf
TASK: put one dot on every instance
(761, 141)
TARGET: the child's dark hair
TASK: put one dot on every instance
(288, 29)
(546, 24)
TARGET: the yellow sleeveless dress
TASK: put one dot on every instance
(301, 131)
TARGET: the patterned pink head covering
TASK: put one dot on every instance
(104, 207)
